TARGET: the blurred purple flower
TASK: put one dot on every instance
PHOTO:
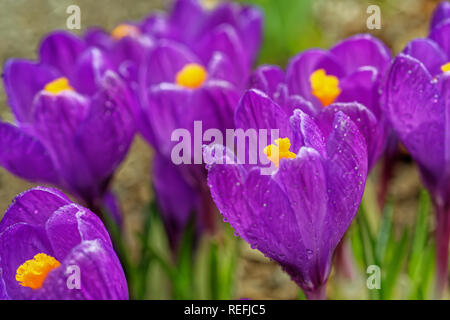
(441, 13)
(417, 100)
(349, 72)
(171, 106)
(44, 237)
(228, 28)
(297, 214)
(74, 118)
(417, 103)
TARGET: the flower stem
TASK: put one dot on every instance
(442, 246)
(343, 262)
(319, 293)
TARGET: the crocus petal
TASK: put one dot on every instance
(158, 26)
(225, 181)
(33, 207)
(19, 243)
(252, 217)
(57, 118)
(3, 293)
(361, 86)
(172, 107)
(222, 68)
(23, 80)
(346, 174)
(107, 131)
(89, 70)
(186, 16)
(293, 102)
(428, 52)
(165, 61)
(164, 114)
(224, 39)
(102, 277)
(25, 156)
(307, 132)
(250, 21)
(441, 13)
(414, 107)
(362, 50)
(74, 224)
(61, 50)
(363, 118)
(440, 35)
(214, 104)
(111, 203)
(256, 110)
(445, 85)
(267, 78)
(304, 183)
(96, 37)
(303, 65)
(224, 13)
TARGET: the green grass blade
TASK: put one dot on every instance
(420, 235)
(395, 265)
(385, 232)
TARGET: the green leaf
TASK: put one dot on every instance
(214, 279)
(356, 244)
(366, 237)
(420, 235)
(301, 295)
(367, 241)
(184, 284)
(143, 266)
(422, 283)
(385, 232)
(228, 263)
(394, 267)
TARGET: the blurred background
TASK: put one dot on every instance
(290, 26)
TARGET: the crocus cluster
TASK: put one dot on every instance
(328, 119)
(195, 71)
(416, 100)
(52, 248)
(73, 118)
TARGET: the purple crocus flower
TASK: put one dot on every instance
(349, 72)
(51, 248)
(297, 213)
(190, 102)
(73, 118)
(417, 102)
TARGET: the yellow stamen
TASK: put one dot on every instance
(279, 151)
(446, 67)
(324, 87)
(124, 30)
(33, 272)
(58, 85)
(191, 76)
